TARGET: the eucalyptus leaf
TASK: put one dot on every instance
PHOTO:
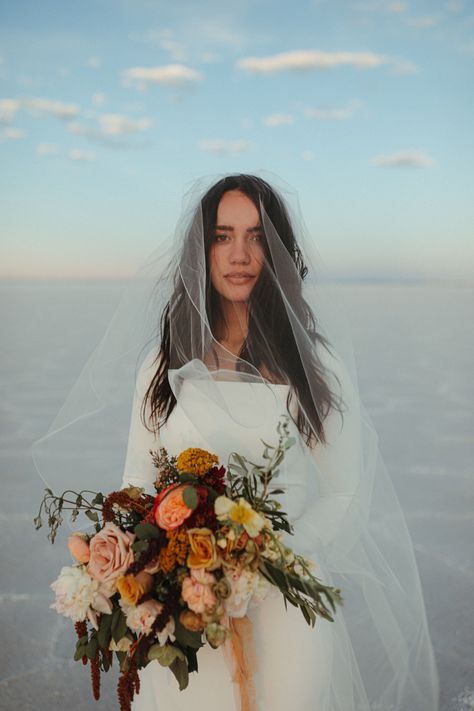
(79, 653)
(165, 654)
(139, 546)
(187, 638)
(146, 530)
(119, 625)
(181, 672)
(91, 648)
(105, 630)
(93, 515)
(190, 497)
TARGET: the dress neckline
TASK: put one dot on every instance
(240, 382)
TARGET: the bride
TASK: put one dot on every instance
(248, 331)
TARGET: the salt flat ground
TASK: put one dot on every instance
(414, 349)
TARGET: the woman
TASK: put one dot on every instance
(244, 337)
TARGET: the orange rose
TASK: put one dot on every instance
(133, 587)
(170, 509)
(78, 544)
(203, 549)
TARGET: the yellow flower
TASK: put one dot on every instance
(240, 512)
(133, 587)
(196, 461)
(203, 549)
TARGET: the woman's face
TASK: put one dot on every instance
(237, 253)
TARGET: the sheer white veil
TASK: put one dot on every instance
(298, 334)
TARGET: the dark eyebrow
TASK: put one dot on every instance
(226, 228)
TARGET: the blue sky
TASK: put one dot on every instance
(109, 109)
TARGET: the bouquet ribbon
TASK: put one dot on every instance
(241, 658)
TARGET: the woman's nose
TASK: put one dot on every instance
(240, 251)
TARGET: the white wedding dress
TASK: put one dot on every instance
(378, 644)
(283, 639)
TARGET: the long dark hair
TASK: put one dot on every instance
(270, 345)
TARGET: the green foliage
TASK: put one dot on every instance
(54, 506)
(190, 497)
(146, 530)
(104, 634)
(185, 637)
(118, 624)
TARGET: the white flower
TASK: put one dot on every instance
(75, 591)
(167, 632)
(140, 618)
(241, 512)
(246, 587)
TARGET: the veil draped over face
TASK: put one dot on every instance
(352, 522)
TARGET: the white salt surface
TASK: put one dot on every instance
(414, 349)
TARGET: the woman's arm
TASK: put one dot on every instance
(339, 466)
(139, 469)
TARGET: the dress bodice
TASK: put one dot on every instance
(234, 416)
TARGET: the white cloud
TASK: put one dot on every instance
(53, 108)
(222, 147)
(397, 7)
(9, 109)
(278, 120)
(332, 114)
(167, 75)
(423, 22)
(403, 66)
(109, 127)
(98, 99)
(208, 57)
(307, 155)
(404, 159)
(94, 62)
(300, 60)
(176, 50)
(78, 154)
(164, 39)
(454, 6)
(46, 149)
(117, 125)
(11, 133)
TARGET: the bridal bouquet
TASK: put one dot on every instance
(163, 575)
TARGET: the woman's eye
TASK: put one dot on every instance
(256, 238)
(221, 238)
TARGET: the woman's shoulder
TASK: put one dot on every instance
(147, 368)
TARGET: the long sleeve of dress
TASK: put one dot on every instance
(338, 466)
(139, 469)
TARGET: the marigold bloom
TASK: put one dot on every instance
(176, 551)
(196, 461)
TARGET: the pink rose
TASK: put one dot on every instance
(110, 553)
(78, 545)
(197, 592)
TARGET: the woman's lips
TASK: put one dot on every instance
(239, 278)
